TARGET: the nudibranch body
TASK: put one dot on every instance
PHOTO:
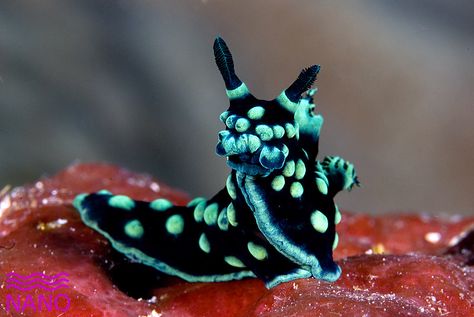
(275, 219)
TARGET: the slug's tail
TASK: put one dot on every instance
(157, 233)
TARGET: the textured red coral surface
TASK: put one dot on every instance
(393, 265)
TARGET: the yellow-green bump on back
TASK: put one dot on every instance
(335, 242)
(199, 211)
(210, 214)
(296, 190)
(161, 204)
(278, 183)
(257, 251)
(322, 187)
(122, 202)
(231, 187)
(300, 169)
(278, 131)
(242, 125)
(289, 169)
(254, 143)
(232, 215)
(264, 132)
(175, 224)
(322, 175)
(204, 243)
(222, 221)
(134, 229)
(230, 121)
(223, 117)
(256, 113)
(233, 261)
(290, 130)
(195, 201)
(319, 221)
(104, 192)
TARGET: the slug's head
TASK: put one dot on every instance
(260, 134)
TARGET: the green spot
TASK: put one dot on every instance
(233, 261)
(322, 187)
(122, 202)
(264, 132)
(254, 143)
(78, 201)
(175, 224)
(296, 190)
(242, 125)
(232, 215)
(204, 243)
(223, 117)
(278, 183)
(289, 169)
(161, 204)
(256, 113)
(238, 92)
(230, 121)
(322, 176)
(319, 221)
(229, 184)
(336, 241)
(199, 211)
(337, 216)
(278, 131)
(104, 192)
(300, 169)
(257, 251)
(222, 221)
(134, 229)
(195, 202)
(290, 130)
(210, 214)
